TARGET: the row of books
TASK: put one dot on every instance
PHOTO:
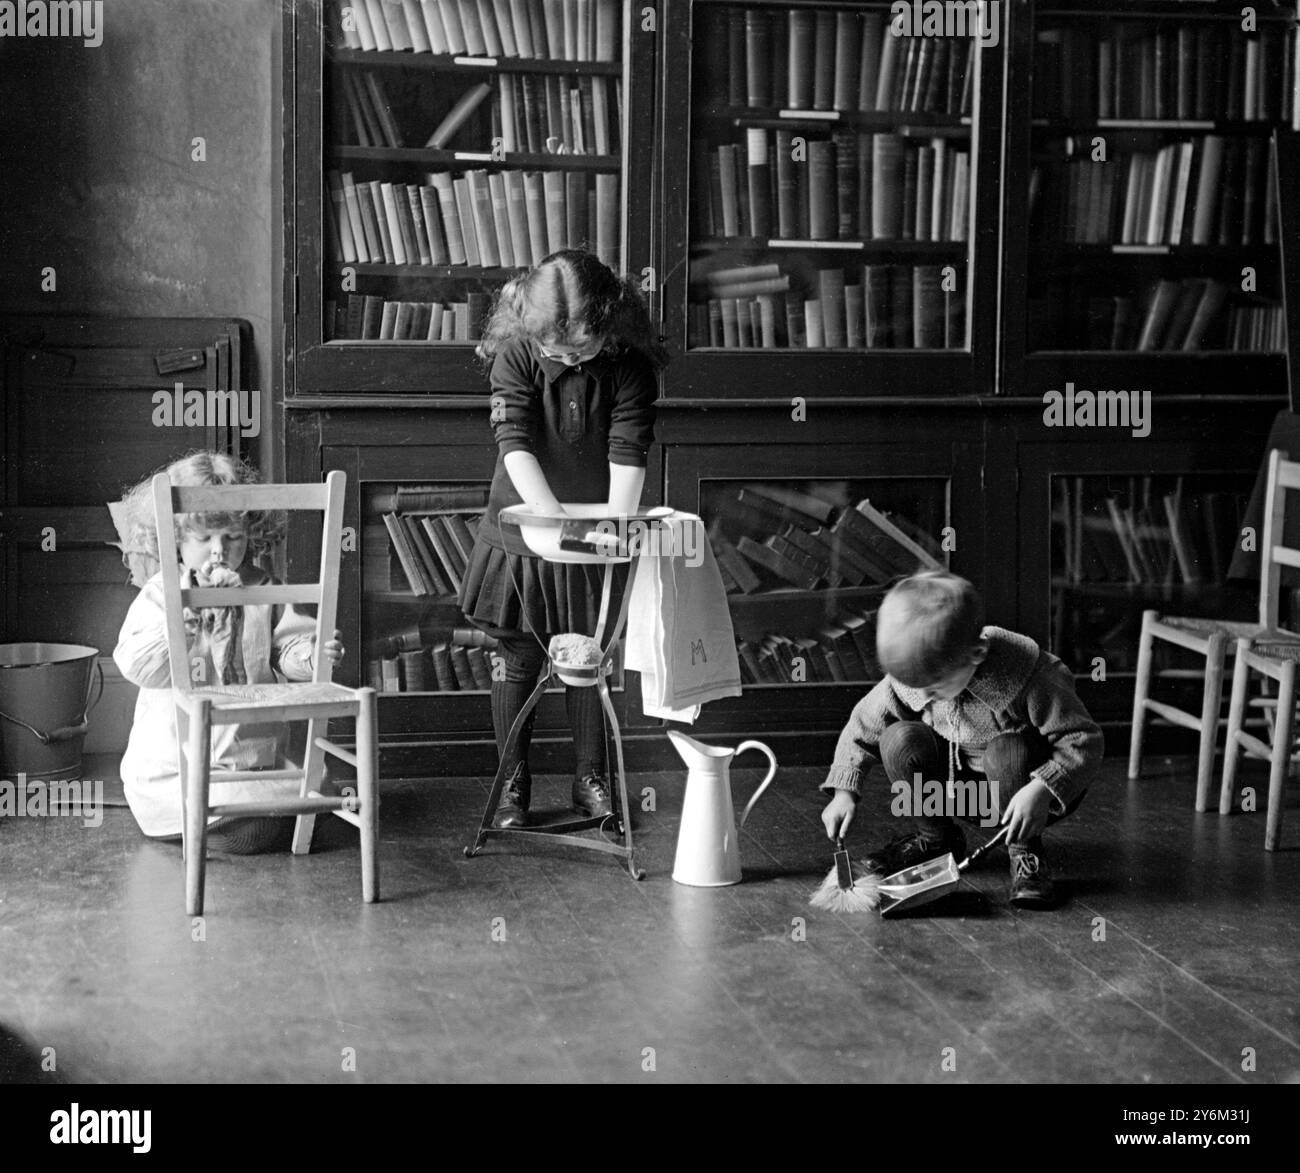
(1190, 314)
(433, 549)
(827, 59)
(891, 306)
(842, 653)
(545, 114)
(1146, 536)
(478, 218)
(459, 661)
(556, 30)
(847, 187)
(1200, 69)
(769, 535)
(1205, 190)
(370, 317)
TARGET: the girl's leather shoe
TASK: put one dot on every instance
(592, 798)
(512, 808)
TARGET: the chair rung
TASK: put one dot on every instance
(1184, 639)
(285, 806)
(1173, 715)
(1254, 746)
(219, 776)
(288, 711)
(342, 754)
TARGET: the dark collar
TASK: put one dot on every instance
(553, 369)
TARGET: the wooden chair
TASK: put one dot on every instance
(1275, 660)
(316, 701)
(1215, 639)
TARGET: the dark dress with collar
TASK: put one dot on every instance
(576, 421)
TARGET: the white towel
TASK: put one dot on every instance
(679, 633)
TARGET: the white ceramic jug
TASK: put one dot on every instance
(708, 854)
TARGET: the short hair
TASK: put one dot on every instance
(925, 625)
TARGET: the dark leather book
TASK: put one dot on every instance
(823, 209)
(758, 57)
(846, 182)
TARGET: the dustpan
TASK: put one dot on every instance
(915, 886)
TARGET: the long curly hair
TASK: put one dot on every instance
(265, 528)
(569, 297)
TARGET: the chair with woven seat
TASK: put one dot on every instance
(198, 709)
(1216, 640)
(1274, 659)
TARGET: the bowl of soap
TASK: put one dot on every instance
(577, 658)
(584, 532)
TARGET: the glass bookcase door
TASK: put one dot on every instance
(1125, 544)
(460, 142)
(805, 562)
(1148, 204)
(830, 192)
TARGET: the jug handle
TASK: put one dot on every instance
(771, 773)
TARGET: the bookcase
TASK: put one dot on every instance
(453, 143)
(857, 388)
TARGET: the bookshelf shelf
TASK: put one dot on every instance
(484, 159)
(462, 65)
(900, 247)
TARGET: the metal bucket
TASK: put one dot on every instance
(44, 703)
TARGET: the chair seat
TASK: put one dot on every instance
(255, 696)
(1277, 651)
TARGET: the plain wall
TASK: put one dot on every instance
(98, 180)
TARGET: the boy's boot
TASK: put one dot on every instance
(592, 797)
(512, 808)
(1031, 881)
(931, 839)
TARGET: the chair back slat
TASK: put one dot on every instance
(242, 498)
(326, 498)
(1283, 476)
(279, 595)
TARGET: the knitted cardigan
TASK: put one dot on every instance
(1017, 687)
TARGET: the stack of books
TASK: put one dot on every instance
(543, 113)
(429, 530)
(849, 187)
(1189, 314)
(842, 652)
(867, 307)
(1145, 537)
(491, 219)
(556, 30)
(828, 59)
(767, 536)
(1207, 190)
(459, 660)
(1197, 69)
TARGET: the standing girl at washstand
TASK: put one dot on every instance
(572, 356)
(253, 644)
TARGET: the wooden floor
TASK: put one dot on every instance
(600, 978)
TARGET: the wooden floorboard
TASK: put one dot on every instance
(599, 978)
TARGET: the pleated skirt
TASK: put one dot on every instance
(505, 593)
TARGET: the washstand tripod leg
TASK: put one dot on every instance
(625, 814)
(499, 781)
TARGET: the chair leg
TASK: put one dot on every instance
(1141, 690)
(313, 770)
(368, 792)
(1212, 698)
(196, 805)
(1281, 759)
(1236, 718)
